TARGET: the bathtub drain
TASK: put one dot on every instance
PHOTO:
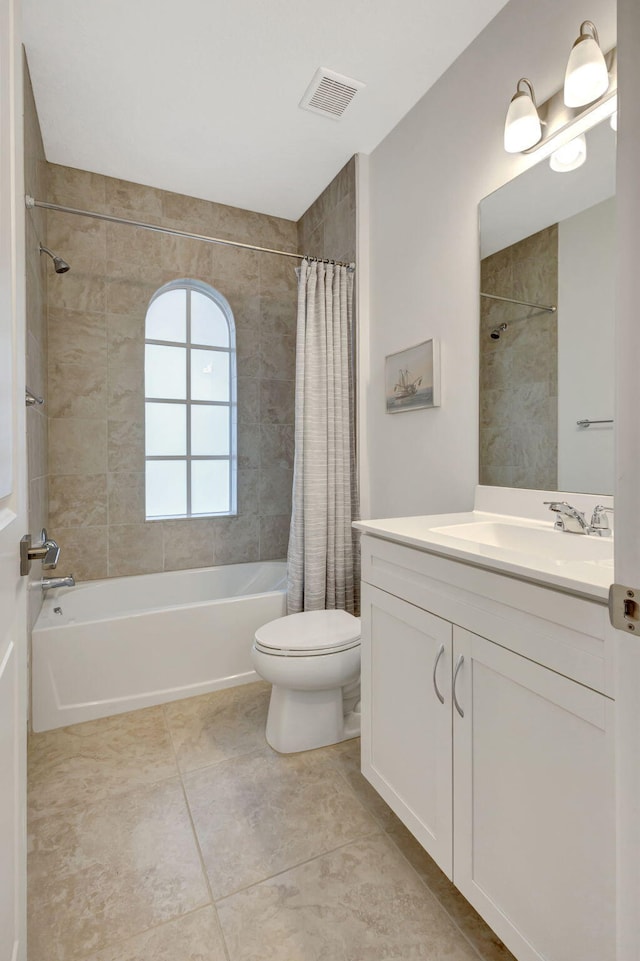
(57, 610)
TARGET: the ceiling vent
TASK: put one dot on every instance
(329, 93)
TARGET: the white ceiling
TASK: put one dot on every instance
(201, 96)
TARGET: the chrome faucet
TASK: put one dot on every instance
(568, 518)
(600, 522)
(46, 551)
(49, 583)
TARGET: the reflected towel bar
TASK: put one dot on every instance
(521, 303)
(588, 423)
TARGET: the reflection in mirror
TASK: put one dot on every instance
(546, 349)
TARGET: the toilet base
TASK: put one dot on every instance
(304, 720)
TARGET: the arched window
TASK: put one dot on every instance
(190, 402)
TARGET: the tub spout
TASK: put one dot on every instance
(48, 583)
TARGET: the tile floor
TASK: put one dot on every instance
(176, 834)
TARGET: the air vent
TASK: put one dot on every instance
(330, 93)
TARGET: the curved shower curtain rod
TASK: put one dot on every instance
(31, 202)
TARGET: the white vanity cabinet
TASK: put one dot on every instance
(506, 778)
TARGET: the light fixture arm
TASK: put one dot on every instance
(532, 93)
(591, 25)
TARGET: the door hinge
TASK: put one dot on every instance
(624, 607)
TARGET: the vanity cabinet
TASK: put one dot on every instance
(506, 778)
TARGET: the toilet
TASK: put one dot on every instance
(313, 662)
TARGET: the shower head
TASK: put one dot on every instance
(60, 266)
(495, 333)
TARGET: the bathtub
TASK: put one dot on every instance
(105, 647)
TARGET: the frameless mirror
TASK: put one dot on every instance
(547, 281)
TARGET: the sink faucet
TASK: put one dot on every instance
(568, 518)
(48, 583)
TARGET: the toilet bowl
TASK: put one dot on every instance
(313, 662)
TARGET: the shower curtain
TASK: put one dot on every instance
(323, 562)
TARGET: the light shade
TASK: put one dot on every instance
(587, 77)
(570, 156)
(522, 127)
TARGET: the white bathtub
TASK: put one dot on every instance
(104, 647)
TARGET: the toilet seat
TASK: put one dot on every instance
(309, 634)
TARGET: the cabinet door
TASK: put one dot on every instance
(534, 804)
(406, 727)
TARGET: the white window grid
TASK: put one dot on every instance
(189, 402)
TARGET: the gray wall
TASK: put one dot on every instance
(427, 178)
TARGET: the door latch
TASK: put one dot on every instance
(624, 607)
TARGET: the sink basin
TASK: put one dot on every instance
(539, 541)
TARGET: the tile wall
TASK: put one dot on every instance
(96, 318)
(38, 270)
(519, 372)
(328, 228)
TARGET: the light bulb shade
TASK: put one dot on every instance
(570, 156)
(586, 77)
(522, 127)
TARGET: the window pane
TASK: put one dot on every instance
(209, 375)
(209, 486)
(208, 322)
(167, 317)
(166, 490)
(209, 430)
(165, 372)
(165, 429)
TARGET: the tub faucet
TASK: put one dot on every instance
(48, 583)
(568, 518)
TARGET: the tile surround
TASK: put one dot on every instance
(96, 324)
(118, 849)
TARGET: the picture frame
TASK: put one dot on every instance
(412, 377)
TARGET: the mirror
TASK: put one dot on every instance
(547, 240)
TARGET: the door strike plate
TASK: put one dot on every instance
(624, 607)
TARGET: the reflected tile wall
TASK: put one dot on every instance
(519, 372)
(96, 332)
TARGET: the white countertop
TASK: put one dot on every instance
(517, 546)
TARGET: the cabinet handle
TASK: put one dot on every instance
(435, 668)
(459, 664)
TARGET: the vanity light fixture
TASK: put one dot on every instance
(570, 155)
(522, 129)
(587, 77)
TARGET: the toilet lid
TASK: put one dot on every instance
(311, 632)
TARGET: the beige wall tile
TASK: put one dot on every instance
(188, 543)
(276, 445)
(77, 446)
(274, 537)
(126, 394)
(126, 199)
(125, 445)
(77, 390)
(76, 188)
(81, 241)
(275, 491)
(125, 340)
(83, 552)
(277, 401)
(77, 337)
(237, 539)
(126, 497)
(77, 290)
(78, 500)
(135, 549)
